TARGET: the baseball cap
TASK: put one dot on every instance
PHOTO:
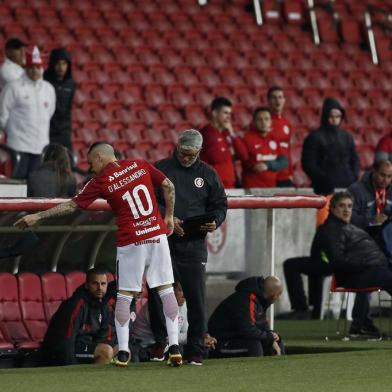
(14, 43)
(34, 58)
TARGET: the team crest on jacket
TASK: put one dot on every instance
(199, 182)
(217, 239)
(286, 129)
(273, 145)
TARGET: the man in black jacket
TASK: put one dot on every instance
(354, 256)
(59, 75)
(329, 156)
(372, 207)
(82, 330)
(199, 191)
(239, 322)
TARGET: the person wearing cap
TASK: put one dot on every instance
(59, 75)
(26, 106)
(12, 68)
(199, 191)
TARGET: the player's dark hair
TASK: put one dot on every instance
(340, 196)
(260, 109)
(95, 271)
(220, 102)
(378, 164)
(272, 89)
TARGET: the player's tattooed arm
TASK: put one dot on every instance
(32, 219)
(169, 196)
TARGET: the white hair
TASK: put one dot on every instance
(190, 139)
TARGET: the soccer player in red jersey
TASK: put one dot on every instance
(128, 186)
(266, 159)
(281, 132)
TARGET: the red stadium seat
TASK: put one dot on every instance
(53, 292)
(133, 134)
(30, 300)
(10, 315)
(154, 95)
(170, 114)
(73, 280)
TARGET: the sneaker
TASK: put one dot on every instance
(158, 352)
(195, 359)
(122, 359)
(367, 333)
(175, 357)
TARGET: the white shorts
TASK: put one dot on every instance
(151, 256)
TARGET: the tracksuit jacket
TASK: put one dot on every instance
(26, 107)
(329, 156)
(219, 149)
(243, 314)
(81, 319)
(198, 191)
(61, 122)
(364, 208)
(348, 249)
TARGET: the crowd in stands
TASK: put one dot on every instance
(257, 157)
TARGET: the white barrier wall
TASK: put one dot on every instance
(242, 244)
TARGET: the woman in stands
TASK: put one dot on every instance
(54, 177)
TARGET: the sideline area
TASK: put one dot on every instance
(365, 366)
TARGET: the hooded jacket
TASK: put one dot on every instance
(242, 315)
(364, 209)
(329, 157)
(81, 319)
(348, 249)
(60, 124)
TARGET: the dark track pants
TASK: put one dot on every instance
(192, 276)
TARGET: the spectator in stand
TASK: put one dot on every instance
(59, 75)
(372, 197)
(384, 148)
(281, 132)
(12, 68)
(240, 322)
(54, 177)
(221, 144)
(82, 330)
(265, 160)
(329, 156)
(26, 106)
(142, 338)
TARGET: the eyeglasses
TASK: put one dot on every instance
(186, 154)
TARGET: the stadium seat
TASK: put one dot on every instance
(31, 305)
(10, 315)
(53, 292)
(73, 280)
(335, 288)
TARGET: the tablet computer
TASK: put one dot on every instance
(192, 226)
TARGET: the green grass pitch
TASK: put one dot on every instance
(329, 366)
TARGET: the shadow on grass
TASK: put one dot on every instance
(295, 350)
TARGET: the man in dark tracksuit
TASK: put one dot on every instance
(371, 210)
(59, 75)
(198, 191)
(239, 322)
(82, 330)
(329, 157)
(354, 256)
